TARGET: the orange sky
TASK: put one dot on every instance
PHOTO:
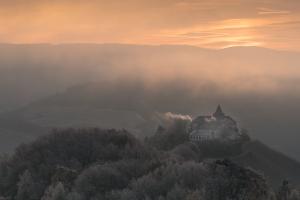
(205, 23)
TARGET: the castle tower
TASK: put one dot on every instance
(219, 113)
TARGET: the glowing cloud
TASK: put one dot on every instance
(209, 23)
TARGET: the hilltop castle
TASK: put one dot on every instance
(217, 126)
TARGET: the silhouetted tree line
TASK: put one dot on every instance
(95, 164)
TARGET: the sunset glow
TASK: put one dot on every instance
(212, 24)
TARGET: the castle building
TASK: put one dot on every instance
(217, 126)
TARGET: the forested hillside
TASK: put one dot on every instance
(90, 164)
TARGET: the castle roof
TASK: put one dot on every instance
(219, 113)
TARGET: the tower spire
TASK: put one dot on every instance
(219, 113)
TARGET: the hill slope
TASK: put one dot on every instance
(109, 165)
(274, 165)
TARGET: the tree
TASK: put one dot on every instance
(295, 195)
(195, 195)
(177, 193)
(99, 180)
(284, 191)
(55, 192)
(27, 188)
(245, 136)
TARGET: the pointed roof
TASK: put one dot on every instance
(219, 113)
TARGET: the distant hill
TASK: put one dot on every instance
(33, 71)
(274, 165)
(14, 131)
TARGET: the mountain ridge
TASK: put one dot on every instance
(146, 45)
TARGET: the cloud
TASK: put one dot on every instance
(269, 11)
(213, 22)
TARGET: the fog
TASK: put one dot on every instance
(258, 87)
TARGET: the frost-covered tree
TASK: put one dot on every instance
(99, 180)
(284, 191)
(28, 189)
(177, 193)
(55, 192)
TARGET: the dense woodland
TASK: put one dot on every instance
(96, 164)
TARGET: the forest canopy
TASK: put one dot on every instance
(90, 164)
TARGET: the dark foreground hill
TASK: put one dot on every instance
(274, 165)
(86, 164)
(113, 165)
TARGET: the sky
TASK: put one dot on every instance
(205, 23)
